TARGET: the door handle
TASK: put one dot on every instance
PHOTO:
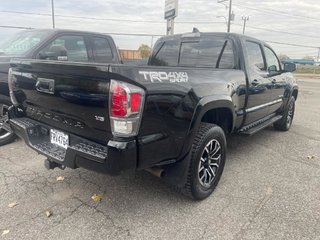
(255, 82)
(45, 85)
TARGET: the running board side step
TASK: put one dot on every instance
(259, 125)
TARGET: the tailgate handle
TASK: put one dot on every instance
(45, 85)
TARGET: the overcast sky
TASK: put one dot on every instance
(299, 20)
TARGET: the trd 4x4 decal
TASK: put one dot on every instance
(172, 77)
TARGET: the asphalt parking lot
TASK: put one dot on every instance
(270, 190)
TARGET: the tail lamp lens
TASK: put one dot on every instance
(119, 101)
(126, 101)
(135, 102)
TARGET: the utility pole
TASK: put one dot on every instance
(316, 62)
(245, 19)
(229, 18)
(151, 45)
(170, 26)
(52, 8)
(231, 15)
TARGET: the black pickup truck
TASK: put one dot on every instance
(170, 117)
(78, 46)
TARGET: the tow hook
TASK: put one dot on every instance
(52, 165)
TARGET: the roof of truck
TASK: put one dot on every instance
(58, 30)
(199, 34)
(194, 35)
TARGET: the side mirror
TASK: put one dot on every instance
(55, 52)
(289, 67)
(273, 71)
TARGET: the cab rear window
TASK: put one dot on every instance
(215, 53)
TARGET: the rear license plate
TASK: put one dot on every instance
(59, 138)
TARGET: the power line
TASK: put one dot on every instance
(16, 27)
(291, 44)
(136, 34)
(272, 11)
(80, 17)
(159, 35)
(279, 31)
(302, 50)
(162, 22)
(105, 19)
(111, 33)
(27, 13)
(269, 11)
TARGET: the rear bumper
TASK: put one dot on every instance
(111, 159)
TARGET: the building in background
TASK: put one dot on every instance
(127, 54)
(143, 52)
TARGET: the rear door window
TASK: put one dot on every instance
(227, 60)
(167, 55)
(102, 50)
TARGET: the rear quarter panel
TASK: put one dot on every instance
(171, 103)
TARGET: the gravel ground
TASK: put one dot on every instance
(269, 190)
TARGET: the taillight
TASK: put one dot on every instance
(119, 101)
(135, 102)
(125, 107)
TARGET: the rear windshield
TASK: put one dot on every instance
(216, 53)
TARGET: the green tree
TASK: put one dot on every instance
(144, 50)
(308, 58)
(283, 57)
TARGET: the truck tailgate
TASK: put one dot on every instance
(69, 97)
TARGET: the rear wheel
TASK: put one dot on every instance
(207, 161)
(5, 136)
(285, 122)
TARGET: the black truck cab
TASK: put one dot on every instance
(51, 44)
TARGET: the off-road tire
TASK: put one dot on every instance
(285, 122)
(193, 187)
(5, 137)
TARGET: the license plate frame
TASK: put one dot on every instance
(59, 138)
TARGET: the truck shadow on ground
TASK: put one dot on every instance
(133, 193)
(141, 188)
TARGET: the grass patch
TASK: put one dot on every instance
(307, 71)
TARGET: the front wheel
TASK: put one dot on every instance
(285, 122)
(207, 161)
(5, 136)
